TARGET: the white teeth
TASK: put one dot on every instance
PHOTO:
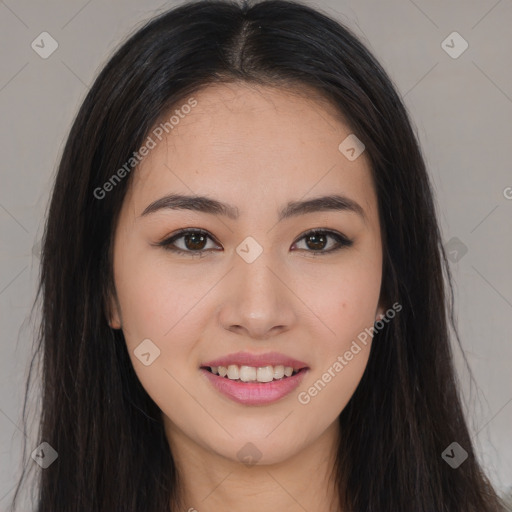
(233, 372)
(247, 373)
(253, 374)
(278, 372)
(265, 374)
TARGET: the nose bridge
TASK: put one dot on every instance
(256, 278)
(257, 287)
(256, 299)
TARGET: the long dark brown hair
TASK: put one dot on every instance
(113, 453)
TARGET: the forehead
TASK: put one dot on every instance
(246, 144)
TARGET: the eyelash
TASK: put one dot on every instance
(341, 240)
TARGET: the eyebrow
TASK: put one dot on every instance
(205, 204)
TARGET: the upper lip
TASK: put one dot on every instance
(257, 360)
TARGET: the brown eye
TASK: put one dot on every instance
(193, 242)
(318, 240)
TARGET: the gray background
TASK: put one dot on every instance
(461, 108)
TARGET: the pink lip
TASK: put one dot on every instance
(257, 360)
(254, 393)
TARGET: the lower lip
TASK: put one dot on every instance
(255, 393)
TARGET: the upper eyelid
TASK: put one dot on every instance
(186, 231)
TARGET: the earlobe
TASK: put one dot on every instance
(112, 313)
(114, 323)
(380, 313)
(381, 305)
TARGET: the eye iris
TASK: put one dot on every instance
(318, 241)
(195, 237)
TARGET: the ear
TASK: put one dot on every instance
(380, 314)
(113, 311)
(382, 305)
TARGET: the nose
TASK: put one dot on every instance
(258, 299)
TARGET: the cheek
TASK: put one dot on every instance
(345, 301)
(347, 308)
(151, 296)
(154, 304)
(164, 305)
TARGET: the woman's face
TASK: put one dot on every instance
(254, 290)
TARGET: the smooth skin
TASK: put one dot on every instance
(255, 148)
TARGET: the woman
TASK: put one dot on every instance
(242, 282)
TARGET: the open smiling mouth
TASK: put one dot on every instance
(251, 385)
